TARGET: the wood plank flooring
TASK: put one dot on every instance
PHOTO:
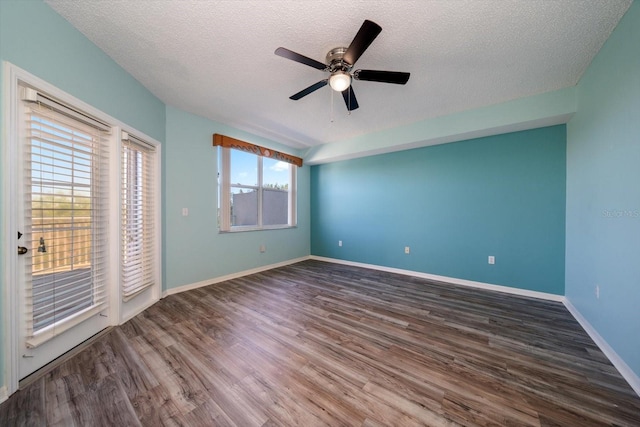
(316, 343)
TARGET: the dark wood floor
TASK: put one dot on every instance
(323, 344)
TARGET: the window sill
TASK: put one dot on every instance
(248, 228)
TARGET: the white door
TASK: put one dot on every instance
(62, 215)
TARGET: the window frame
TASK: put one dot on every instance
(224, 195)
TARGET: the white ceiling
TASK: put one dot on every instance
(214, 58)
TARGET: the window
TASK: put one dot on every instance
(137, 217)
(257, 187)
(65, 190)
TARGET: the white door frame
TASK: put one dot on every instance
(10, 227)
(119, 312)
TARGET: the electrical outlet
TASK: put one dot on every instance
(185, 211)
(492, 259)
(407, 249)
(263, 248)
(339, 242)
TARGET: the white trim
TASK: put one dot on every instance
(10, 76)
(231, 276)
(157, 290)
(293, 196)
(3, 394)
(452, 280)
(115, 305)
(624, 369)
(224, 187)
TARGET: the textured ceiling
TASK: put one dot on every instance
(215, 58)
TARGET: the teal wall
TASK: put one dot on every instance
(194, 249)
(603, 193)
(453, 205)
(36, 39)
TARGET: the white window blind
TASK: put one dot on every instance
(66, 206)
(138, 216)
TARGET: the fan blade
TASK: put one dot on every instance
(289, 54)
(350, 98)
(382, 76)
(366, 34)
(307, 91)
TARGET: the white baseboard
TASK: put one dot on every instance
(4, 395)
(215, 280)
(624, 369)
(453, 280)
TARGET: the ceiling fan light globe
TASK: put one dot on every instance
(340, 81)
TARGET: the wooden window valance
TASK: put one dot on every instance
(228, 142)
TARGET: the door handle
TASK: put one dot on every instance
(22, 250)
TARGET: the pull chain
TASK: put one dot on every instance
(331, 109)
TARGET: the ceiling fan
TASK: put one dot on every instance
(340, 61)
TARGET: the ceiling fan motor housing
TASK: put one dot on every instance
(335, 62)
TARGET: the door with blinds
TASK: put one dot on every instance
(63, 204)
